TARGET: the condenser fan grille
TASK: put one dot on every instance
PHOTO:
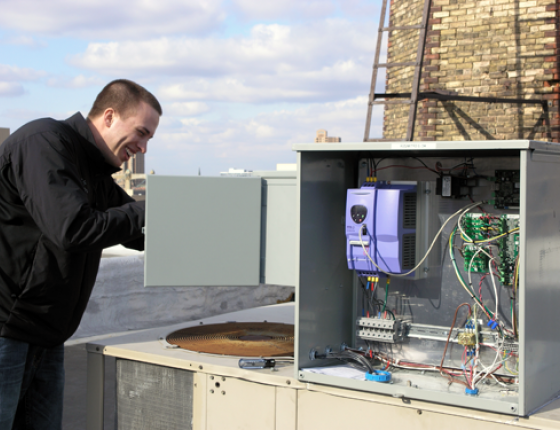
(243, 339)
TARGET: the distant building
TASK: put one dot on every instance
(136, 163)
(323, 138)
(132, 178)
(4, 133)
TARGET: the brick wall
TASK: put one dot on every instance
(482, 48)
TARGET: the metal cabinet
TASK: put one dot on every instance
(329, 295)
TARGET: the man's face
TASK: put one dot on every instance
(125, 137)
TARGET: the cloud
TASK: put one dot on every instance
(110, 20)
(11, 89)
(361, 9)
(285, 9)
(23, 40)
(183, 109)
(79, 81)
(11, 78)
(318, 62)
(14, 73)
(257, 143)
(270, 48)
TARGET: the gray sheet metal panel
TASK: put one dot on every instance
(278, 230)
(522, 288)
(95, 388)
(406, 392)
(423, 146)
(325, 283)
(298, 270)
(540, 290)
(202, 231)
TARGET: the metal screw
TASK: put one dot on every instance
(223, 393)
(212, 378)
(223, 379)
(288, 382)
(419, 412)
(200, 367)
(211, 391)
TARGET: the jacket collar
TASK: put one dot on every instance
(80, 125)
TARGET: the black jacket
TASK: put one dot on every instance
(59, 207)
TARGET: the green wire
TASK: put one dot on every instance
(386, 294)
(452, 255)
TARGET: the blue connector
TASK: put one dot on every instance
(470, 392)
(378, 376)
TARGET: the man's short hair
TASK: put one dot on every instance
(123, 96)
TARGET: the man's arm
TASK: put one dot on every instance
(119, 197)
(50, 185)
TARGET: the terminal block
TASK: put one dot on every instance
(478, 263)
(509, 249)
(380, 330)
(480, 228)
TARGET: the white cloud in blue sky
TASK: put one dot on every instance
(240, 81)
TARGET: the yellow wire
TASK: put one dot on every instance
(461, 280)
(506, 365)
(490, 239)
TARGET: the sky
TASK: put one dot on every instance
(240, 81)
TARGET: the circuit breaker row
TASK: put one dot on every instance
(380, 330)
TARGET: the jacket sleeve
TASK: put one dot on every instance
(118, 198)
(53, 191)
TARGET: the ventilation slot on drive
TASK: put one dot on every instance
(408, 250)
(409, 210)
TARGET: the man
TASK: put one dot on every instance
(59, 208)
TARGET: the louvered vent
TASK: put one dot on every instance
(409, 210)
(153, 397)
(408, 250)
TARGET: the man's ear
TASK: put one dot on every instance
(108, 117)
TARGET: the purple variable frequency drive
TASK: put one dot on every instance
(386, 215)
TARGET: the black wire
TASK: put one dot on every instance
(466, 163)
(379, 162)
(426, 166)
(414, 158)
(353, 359)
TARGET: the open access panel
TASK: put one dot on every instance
(430, 271)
